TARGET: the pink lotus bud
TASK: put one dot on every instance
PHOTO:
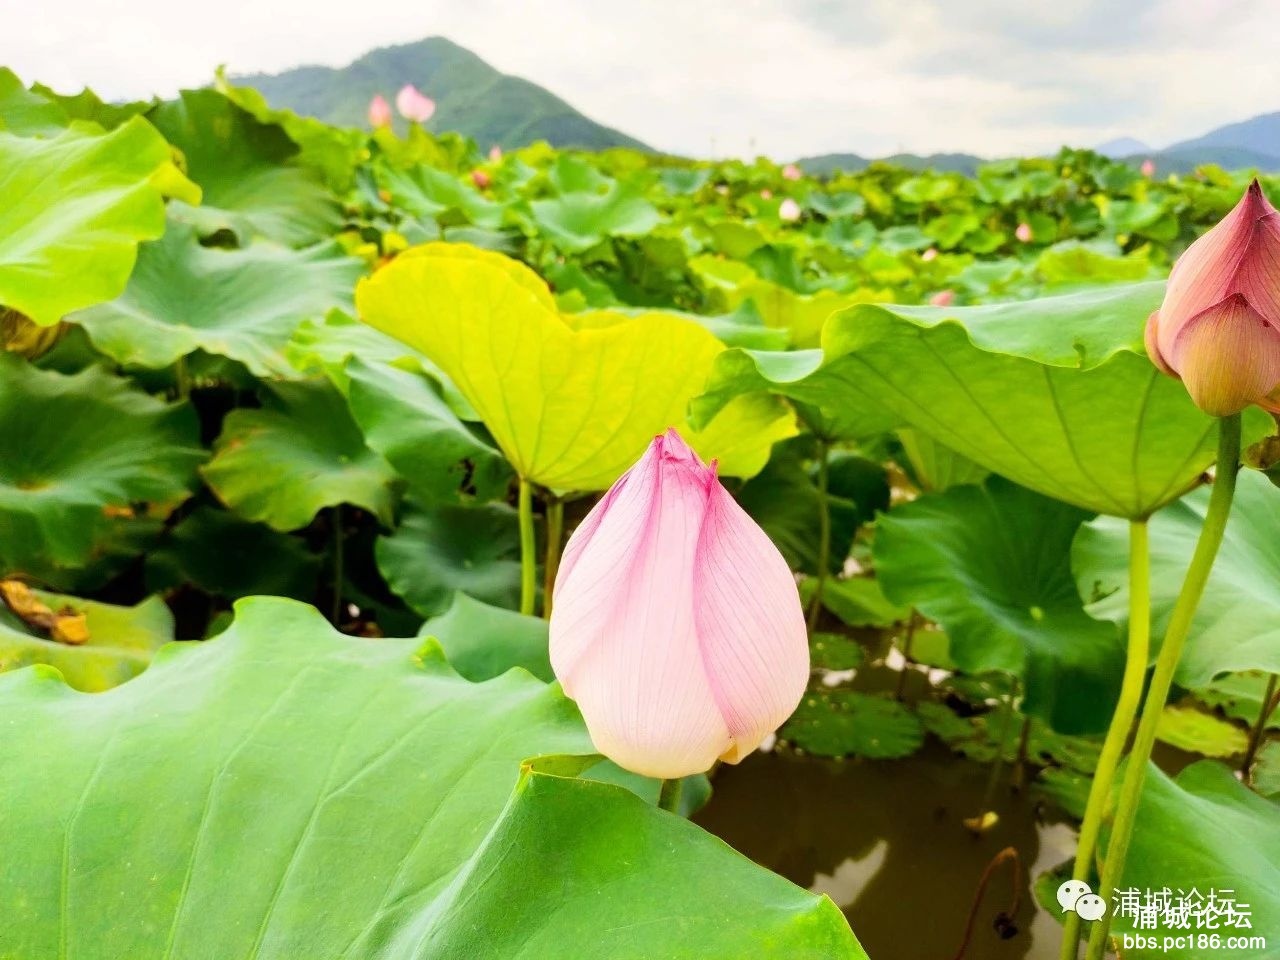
(1218, 328)
(791, 172)
(413, 105)
(1023, 233)
(766, 194)
(789, 211)
(481, 179)
(930, 254)
(676, 624)
(495, 154)
(379, 112)
(1148, 168)
(943, 298)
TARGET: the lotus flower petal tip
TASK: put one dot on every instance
(413, 105)
(379, 112)
(1218, 329)
(676, 625)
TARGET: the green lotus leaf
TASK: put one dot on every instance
(232, 558)
(73, 446)
(436, 195)
(73, 210)
(483, 641)
(439, 551)
(1239, 695)
(363, 802)
(571, 407)
(239, 304)
(1237, 624)
(857, 601)
(991, 565)
(301, 452)
(935, 467)
(1204, 830)
(1055, 393)
(121, 642)
(578, 221)
(1195, 731)
(246, 168)
(848, 723)
(26, 113)
(405, 418)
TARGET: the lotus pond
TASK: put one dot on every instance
(304, 433)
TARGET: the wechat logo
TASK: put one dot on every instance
(1076, 895)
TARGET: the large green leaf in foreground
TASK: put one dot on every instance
(992, 565)
(1055, 393)
(570, 407)
(1237, 624)
(72, 446)
(1206, 831)
(72, 212)
(284, 791)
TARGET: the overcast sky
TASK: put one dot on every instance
(783, 77)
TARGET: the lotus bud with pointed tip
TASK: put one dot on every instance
(676, 624)
(789, 211)
(481, 179)
(943, 298)
(1148, 168)
(495, 154)
(1023, 233)
(413, 105)
(379, 112)
(791, 172)
(1218, 329)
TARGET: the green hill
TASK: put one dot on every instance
(829, 163)
(471, 96)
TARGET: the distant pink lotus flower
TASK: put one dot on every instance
(789, 211)
(943, 298)
(791, 172)
(413, 106)
(481, 179)
(1218, 329)
(1148, 168)
(676, 623)
(1023, 233)
(766, 194)
(379, 112)
(495, 154)
(930, 254)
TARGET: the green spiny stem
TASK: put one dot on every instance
(551, 562)
(669, 795)
(1270, 700)
(824, 534)
(1215, 525)
(1135, 672)
(528, 550)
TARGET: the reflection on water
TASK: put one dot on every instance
(884, 840)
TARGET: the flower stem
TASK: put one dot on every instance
(669, 795)
(824, 534)
(1135, 672)
(528, 550)
(551, 561)
(336, 558)
(1270, 701)
(1215, 524)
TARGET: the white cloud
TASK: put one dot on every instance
(783, 77)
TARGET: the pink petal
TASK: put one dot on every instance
(791, 172)
(789, 210)
(943, 298)
(1228, 356)
(1023, 233)
(750, 625)
(413, 105)
(1151, 336)
(379, 112)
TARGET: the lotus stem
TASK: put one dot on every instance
(1135, 672)
(182, 378)
(551, 562)
(528, 550)
(1215, 525)
(669, 795)
(997, 765)
(913, 621)
(1004, 920)
(336, 559)
(1270, 700)
(824, 534)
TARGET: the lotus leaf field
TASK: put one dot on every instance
(294, 423)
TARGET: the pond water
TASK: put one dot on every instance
(885, 840)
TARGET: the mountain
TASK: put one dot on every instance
(471, 97)
(1122, 147)
(829, 163)
(1185, 159)
(1261, 135)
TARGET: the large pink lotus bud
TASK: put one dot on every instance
(413, 105)
(789, 211)
(1023, 233)
(676, 624)
(1218, 328)
(791, 172)
(1148, 168)
(379, 112)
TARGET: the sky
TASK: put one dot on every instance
(785, 78)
